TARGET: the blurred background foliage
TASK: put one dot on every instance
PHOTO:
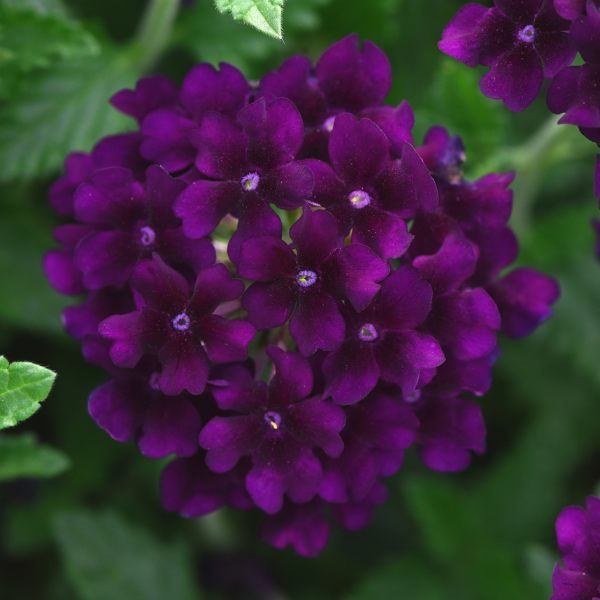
(97, 531)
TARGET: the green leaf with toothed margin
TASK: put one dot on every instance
(265, 15)
(23, 386)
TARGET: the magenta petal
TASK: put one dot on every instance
(225, 340)
(118, 406)
(275, 132)
(135, 334)
(573, 585)
(301, 525)
(287, 186)
(516, 77)
(449, 428)
(453, 263)
(293, 378)
(569, 9)
(177, 248)
(521, 11)
(228, 439)
(166, 141)
(213, 286)
(318, 422)
(352, 272)
(395, 123)
(63, 274)
(161, 192)
(315, 235)
(162, 288)
(150, 93)
(78, 166)
(221, 147)
(106, 258)
(283, 469)
(266, 258)
(359, 150)
(204, 88)
(383, 233)
(256, 218)
(555, 50)
(203, 204)
(121, 150)
(317, 322)
(355, 515)
(418, 350)
(351, 372)
(111, 196)
(185, 366)
(524, 297)
(171, 426)
(270, 304)
(465, 322)
(354, 79)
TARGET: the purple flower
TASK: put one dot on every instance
(189, 487)
(449, 429)
(204, 89)
(184, 333)
(314, 281)
(378, 430)
(345, 79)
(366, 192)
(521, 40)
(78, 167)
(278, 426)
(253, 166)
(151, 93)
(578, 534)
(129, 224)
(463, 320)
(133, 406)
(524, 297)
(303, 526)
(381, 341)
(575, 90)
(569, 9)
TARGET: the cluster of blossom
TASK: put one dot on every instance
(291, 220)
(523, 41)
(578, 534)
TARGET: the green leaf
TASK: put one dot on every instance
(63, 109)
(107, 558)
(23, 386)
(23, 456)
(35, 40)
(43, 7)
(265, 15)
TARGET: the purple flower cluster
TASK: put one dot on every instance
(292, 221)
(578, 533)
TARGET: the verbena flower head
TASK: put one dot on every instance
(522, 41)
(578, 534)
(370, 268)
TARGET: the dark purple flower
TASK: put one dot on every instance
(356, 514)
(204, 89)
(381, 341)
(449, 429)
(78, 167)
(184, 333)
(278, 426)
(314, 281)
(569, 9)
(151, 93)
(575, 90)
(129, 224)
(524, 297)
(521, 40)
(366, 192)
(302, 525)
(59, 264)
(253, 166)
(189, 487)
(83, 319)
(345, 79)
(578, 534)
(463, 320)
(378, 430)
(133, 406)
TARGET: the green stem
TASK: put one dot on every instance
(153, 33)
